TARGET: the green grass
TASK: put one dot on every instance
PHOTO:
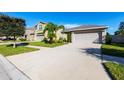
(46, 44)
(9, 50)
(113, 49)
(115, 70)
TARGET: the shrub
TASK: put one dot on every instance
(45, 40)
(60, 41)
(64, 40)
(69, 37)
(22, 39)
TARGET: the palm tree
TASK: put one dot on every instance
(52, 29)
(58, 32)
(61, 27)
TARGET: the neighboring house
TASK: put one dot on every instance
(87, 34)
(35, 33)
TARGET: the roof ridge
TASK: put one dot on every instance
(85, 27)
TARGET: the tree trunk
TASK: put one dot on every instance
(7, 37)
(51, 40)
(14, 43)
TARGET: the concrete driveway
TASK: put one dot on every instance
(68, 62)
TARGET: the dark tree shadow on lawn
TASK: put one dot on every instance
(96, 52)
(18, 44)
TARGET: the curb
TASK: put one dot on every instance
(12, 71)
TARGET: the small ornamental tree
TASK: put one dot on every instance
(108, 38)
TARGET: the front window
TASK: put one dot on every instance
(40, 27)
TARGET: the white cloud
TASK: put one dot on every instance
(71, 25)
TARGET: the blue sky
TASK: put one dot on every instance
(72, 19)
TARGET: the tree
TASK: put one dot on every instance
(52, 28)
(108, 38)
(11, 26)
(17, 28)
(4, 25)
(120, 30)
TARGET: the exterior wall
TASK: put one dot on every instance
(59, 34)
(39, 37)
(38, 32)
(45, 34)
(64, 36)
(117, 39)
(103, 36)
(37, 27)
(30, 35)
(73, 37)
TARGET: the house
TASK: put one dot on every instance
(35, 33)
(87, 34)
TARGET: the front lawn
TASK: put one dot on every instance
(9, 50)
(115, 70)
(113, 49)
(43, 44)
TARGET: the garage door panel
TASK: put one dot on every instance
(85, 37)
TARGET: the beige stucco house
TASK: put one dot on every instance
(36, 33)
(87, 34)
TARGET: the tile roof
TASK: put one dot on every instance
(30, 30)
(85, 27)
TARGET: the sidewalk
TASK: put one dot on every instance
(9, 72)
(113, 58)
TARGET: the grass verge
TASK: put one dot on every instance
(113, 49)
(115, 70)
(9, 50)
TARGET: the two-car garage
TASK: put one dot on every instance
(85, 37)
(88, 34)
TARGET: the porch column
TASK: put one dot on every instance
(104, 35)
(100, 37)
(72, 37)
